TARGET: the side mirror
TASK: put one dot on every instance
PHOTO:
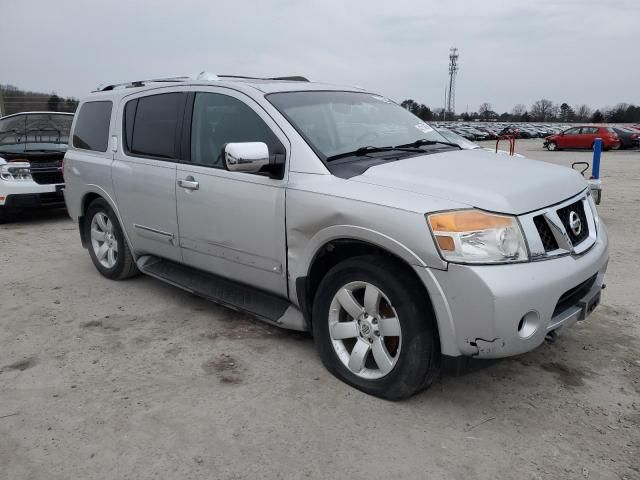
(250, 157)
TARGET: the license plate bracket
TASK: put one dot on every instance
(589, 305)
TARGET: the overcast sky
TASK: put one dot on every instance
(578, 51)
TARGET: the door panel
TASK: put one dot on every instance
(146, 196)
(145, 187)
(233, 226)
(232, 223)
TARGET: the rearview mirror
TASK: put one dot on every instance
(248, 157)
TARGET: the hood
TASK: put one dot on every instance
(481, 179)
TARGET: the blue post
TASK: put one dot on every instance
(597, 150)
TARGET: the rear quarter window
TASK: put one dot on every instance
(92, 126)
(151, 125)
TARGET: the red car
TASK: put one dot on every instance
(583, 137)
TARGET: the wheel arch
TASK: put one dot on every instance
(91, 195)
(335, 250)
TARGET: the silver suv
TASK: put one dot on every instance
(333, 210)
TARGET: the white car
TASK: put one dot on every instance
(32, 145)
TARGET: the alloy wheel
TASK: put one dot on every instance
(103, 240)
(365, 330)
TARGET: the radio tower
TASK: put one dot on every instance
(453, 70)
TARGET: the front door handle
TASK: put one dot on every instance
(189, 183)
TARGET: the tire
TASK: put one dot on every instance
(552, 146)
(411, 358)
(117, 263)
(4, 217)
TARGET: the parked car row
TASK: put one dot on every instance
(490, 131)
(557, 136)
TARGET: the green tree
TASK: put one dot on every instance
(597, 117)
(53, 104)
(566, 113)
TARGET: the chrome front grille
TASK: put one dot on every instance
(566, 228)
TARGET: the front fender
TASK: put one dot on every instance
(302, 260)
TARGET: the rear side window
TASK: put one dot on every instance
(151, 125)
(92, 127)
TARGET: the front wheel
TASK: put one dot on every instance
(374, 328)
(552, 146)
(107, 246)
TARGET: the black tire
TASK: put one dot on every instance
(418, 363)
(125, 265)
(4, 217)
(552, 146)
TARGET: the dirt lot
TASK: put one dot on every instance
(139, 380)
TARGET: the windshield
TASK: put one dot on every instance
(335, 123)
(35, 132)
(459, 139)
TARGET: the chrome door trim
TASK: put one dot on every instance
(153, 233)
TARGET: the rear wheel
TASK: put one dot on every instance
(107, 246)
(552, 146)
(3, 215)
(374, 328)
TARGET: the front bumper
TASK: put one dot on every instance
(29, 194)
(479, 309)
(34, 200)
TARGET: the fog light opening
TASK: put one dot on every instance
(528, 324)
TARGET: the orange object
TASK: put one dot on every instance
(465, 221)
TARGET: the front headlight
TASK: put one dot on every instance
(15, 171)
(474, 236)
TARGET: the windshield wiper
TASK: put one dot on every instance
(362, 151)
(424, 141)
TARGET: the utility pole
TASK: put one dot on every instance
(1, 103)
(453, 70)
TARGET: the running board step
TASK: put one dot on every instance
(263, 305)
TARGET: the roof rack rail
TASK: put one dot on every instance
(139, 83)
(206, 76)
(291, 78)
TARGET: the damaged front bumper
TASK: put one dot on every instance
(495, 311)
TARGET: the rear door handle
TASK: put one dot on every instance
(189, 183)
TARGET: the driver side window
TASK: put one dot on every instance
(219, 119)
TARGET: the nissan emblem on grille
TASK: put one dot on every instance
(575, 223)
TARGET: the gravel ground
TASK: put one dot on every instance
(138, 380)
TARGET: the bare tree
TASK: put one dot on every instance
(583, 112)
(485, 111)
(543, 110)
(518, 111)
